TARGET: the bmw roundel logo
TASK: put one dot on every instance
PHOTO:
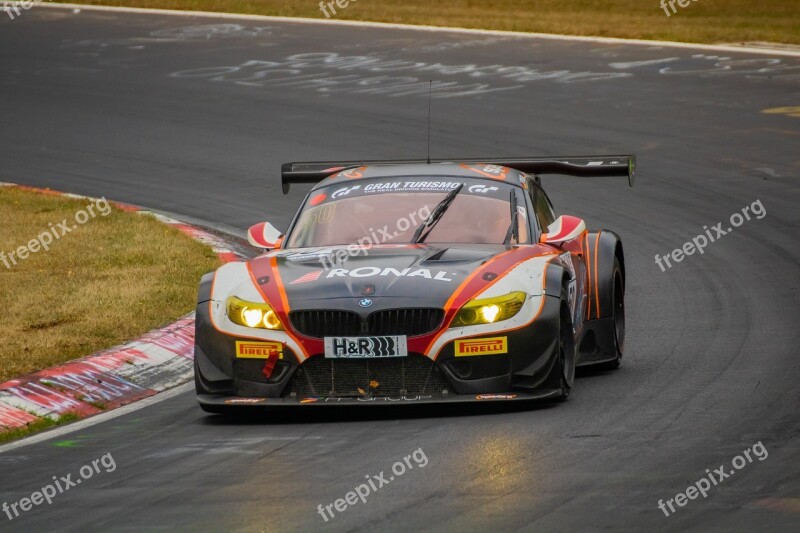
(365, 302)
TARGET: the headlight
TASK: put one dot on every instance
(253, 315)
(489, 310)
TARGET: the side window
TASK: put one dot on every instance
(532, 208)
(544, 211)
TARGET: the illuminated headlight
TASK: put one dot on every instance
(489, 310)
(252, 314)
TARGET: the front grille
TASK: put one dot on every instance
(398, 376)
(326, 323)
(410, 322)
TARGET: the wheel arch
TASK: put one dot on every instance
(603, 246)
(557, 277)
(204, 290)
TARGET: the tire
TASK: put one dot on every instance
(618, 309)
(566, 349)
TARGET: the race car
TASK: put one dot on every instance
(402, 282)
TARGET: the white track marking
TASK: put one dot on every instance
(227, 229)
(97, 419)
(383, 25)
(634, 64)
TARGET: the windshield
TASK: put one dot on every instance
(391, 210)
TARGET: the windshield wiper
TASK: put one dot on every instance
(513, 228)
(437, 213)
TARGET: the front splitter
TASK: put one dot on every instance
(215, 401)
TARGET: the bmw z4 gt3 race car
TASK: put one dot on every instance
(415, 281)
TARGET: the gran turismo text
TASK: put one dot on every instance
(373, 484)
(699, 243)
(712, 479)
(60, 485)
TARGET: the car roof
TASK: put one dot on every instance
(431, 170)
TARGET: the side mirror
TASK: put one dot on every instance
(565, 228)
(264, 235)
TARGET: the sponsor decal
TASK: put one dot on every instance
(368, 290)
(567, 261)
(496, 170)
(365, 302)
(393, 399)
(418, 185)
(365, 347)
(379, 399)
(482, 189)
(382, 186)
(495, 396)
(344, 191)
(410, 186)
(245, 401)
(353, 173)
(311, 276)
(309, 400)
(490, 171)
(258, 350)
(487, 346)
(370, 272)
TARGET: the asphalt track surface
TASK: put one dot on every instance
(149, 109)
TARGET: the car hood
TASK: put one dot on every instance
(377, 277)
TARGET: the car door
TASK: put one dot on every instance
(573, 256)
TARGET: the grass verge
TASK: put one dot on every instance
(35, 427)
(702, 21)
(105, 281)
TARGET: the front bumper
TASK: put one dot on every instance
(524, 372)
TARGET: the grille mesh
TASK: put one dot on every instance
(404, 321)
(330, 323)
(397, 376)
(326, 323)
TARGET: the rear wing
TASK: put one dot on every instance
(582, 166)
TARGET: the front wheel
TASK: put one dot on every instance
(566, 348)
